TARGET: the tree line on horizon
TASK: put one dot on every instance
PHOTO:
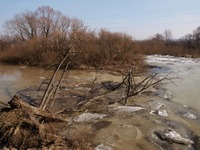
(44, 36)
(164, 44)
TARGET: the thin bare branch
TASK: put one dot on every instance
(45, 98)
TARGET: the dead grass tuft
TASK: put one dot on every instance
(22, 129)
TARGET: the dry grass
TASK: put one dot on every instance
(21, 129)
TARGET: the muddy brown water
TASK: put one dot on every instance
(15, 78)
(125, 130)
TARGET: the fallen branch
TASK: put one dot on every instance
(134, 88)
(17, 103)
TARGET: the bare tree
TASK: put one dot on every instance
(168, 35)
(48, 20)
(44, 22)
(46, 33)
(158, 37)
(23, 26)
(28, 25)
(196, 34)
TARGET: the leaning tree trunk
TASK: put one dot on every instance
(57, 87)
(50, 88)
(48, 92)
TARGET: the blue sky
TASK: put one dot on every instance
(139, 18)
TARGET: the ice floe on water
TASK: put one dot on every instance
(88, 117)
(173, 137)
(189, 116)
(103, 147)
(128, 108)
(185, 73)
(171, 59)
(162, 113)
(168, 95)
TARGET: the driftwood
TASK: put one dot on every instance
(23, 126)
(133, 88)
(17, 103)
(128, 83)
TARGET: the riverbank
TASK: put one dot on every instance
(105, 122)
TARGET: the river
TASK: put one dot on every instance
(186, 89)
(186, 74)
(15, 78)
(127, 130)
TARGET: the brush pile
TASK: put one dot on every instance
(23, 126)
